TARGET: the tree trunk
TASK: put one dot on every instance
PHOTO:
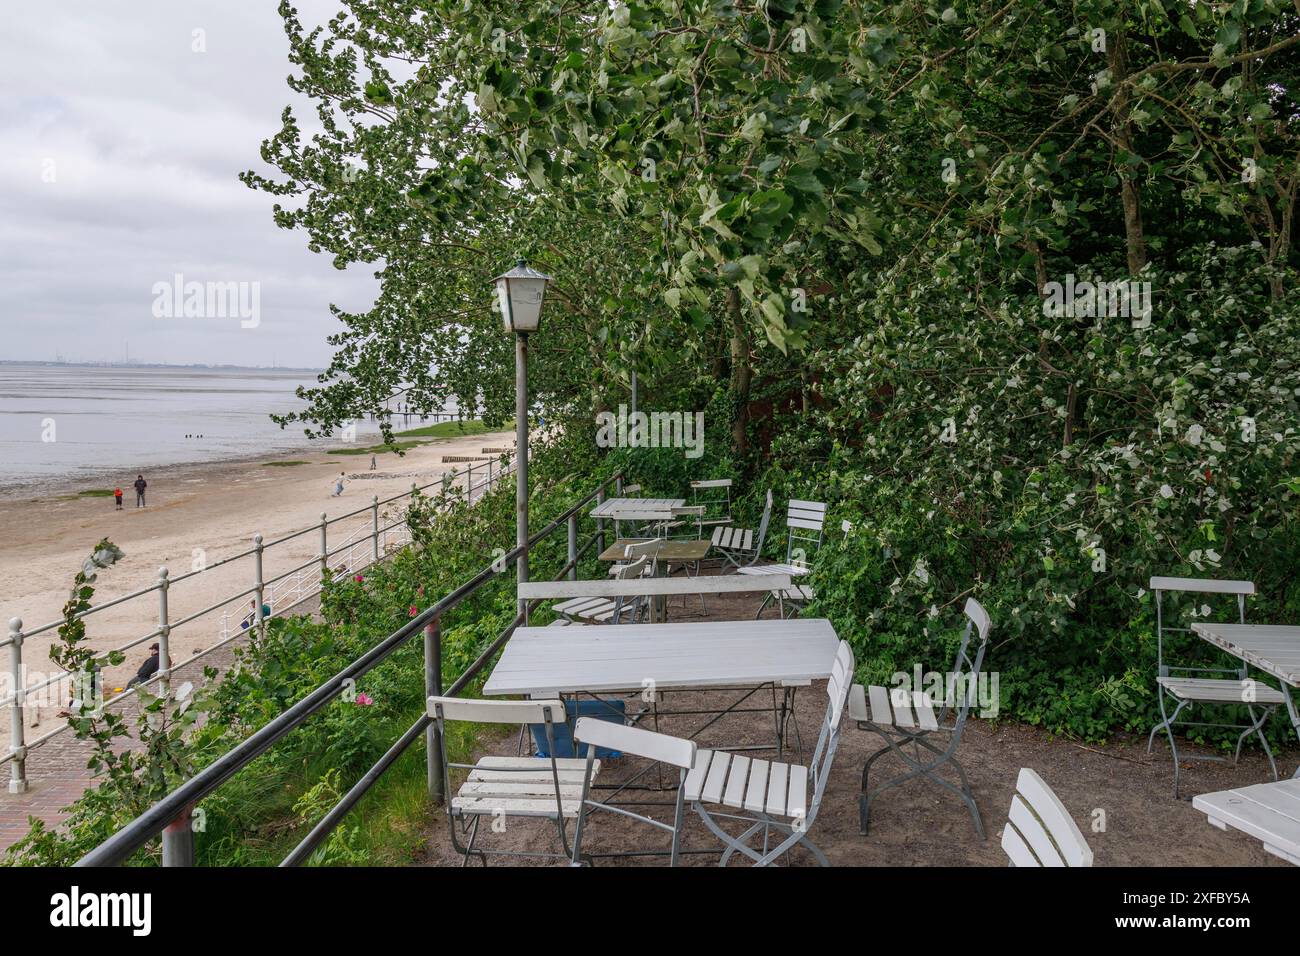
(740, 374)
(1134, 239)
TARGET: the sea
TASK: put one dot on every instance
(61, 424)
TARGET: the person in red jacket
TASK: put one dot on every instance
(117, 494)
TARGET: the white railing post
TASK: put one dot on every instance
(164, 633)
(374, 528)
(259, 585)
(17, 744)
(324, 547)
(489, 478)
(469, 484)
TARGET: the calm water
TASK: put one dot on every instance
(128, 419)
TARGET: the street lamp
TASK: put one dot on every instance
(519, 294)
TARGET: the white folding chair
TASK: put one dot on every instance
(662, 748)
(805, 523)
(1185, 687)
(738, 546)
(1039, 830)
(607, 610)
(904, 718)
(775, 795)
(714, 496)
(538, 787)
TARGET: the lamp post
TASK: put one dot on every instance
(519, 294)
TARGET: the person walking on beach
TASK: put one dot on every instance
(372, 462)
(140, 486)
(117, 495)
(338, 485)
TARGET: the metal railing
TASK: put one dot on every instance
(171, 816)
(369, 543)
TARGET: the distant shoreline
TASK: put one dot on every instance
(59, 485)
(56, 486)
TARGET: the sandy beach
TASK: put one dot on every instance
(195, 513)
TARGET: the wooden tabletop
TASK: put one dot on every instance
(689, 549)
(545, 661)
(1273, 648)
(1270, 812)
(637, 509)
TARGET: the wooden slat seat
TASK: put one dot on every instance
(738, 539)
(794, 570)
(893, 707)
(523, 786)
(1221, 691)
(759, 786)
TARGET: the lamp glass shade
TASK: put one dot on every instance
(519, 296)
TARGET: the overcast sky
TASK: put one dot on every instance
(119, 151)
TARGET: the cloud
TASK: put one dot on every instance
(120, 144)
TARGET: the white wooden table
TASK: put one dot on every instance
(546, 661)
(1270, 812)
(637, 509)
(1273, 648)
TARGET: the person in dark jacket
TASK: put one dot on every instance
(147, 669)
(140, 486)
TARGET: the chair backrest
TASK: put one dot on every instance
(635, 740)
(1039, 830)
(496, 711)
(837, 693)
(805, 523)
(631, 489)
(763, 523)
(633, 568)
(714, 495)
(964, 677)
(1160, 585)
(645, 549)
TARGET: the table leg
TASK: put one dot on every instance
(1295, 718)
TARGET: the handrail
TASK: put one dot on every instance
(178, 804)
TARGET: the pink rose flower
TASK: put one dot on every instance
(364, 700)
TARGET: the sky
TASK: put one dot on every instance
(123, 127)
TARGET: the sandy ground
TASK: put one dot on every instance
(1120, 797)
(194, 511)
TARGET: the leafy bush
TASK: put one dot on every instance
(947, 448)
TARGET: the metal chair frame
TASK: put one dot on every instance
(795, 831)
(1169, 720)
(925, 765)
(469, 822)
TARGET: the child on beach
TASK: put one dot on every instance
(117, 495)
(338, 485)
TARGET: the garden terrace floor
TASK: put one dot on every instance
(918, 824)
